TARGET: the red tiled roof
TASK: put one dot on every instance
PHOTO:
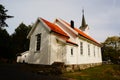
(55, 28)
(81, 33)
(68, 41)
(85, 35)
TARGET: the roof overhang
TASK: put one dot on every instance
(66, 41)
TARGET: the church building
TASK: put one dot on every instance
(61, 41)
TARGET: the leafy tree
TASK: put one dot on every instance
(113, 41)
(111, 49)
(19, 38)
(3, 16)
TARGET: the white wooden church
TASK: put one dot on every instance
(61, 42)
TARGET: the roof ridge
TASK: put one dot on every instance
(82, 33)
(54, 27)
(67, 24)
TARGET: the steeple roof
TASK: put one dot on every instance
(83, 24)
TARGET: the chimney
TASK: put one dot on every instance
(72, 23)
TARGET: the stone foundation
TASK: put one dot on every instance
(59, 68)
(76, 67)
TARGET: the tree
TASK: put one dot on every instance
(5, 40)
(111, 49)
(3, 16)
(4, 44)
(19, 39)
(113, 41)
(16, 43)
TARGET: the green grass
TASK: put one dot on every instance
(103, 72)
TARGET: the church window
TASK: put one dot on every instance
(81, 48)
(38, 44)
(94, 50)
(98, 52)
(71, 51)
(88, 49)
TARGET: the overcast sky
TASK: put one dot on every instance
(102, 16)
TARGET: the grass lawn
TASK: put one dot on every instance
(103, 72)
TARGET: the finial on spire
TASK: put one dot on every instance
(83, 11)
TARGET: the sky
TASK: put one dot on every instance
(102, 16)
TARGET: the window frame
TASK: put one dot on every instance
(38, 42)
(94, 50)
(88, 49)
(71, 51)
(81, 48)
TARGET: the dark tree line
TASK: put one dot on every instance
(5, 42)
(20, 43)
(10, 45)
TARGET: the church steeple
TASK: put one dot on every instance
(84, 26)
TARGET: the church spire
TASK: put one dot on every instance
(83, 20)
(84, 26)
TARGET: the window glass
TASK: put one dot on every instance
(81, 48)
(38, 44)
(71, 51)
(88, 49)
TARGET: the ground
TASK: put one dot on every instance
(20, 72)
(23, 72)
(103, 72)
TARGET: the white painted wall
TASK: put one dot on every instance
(77, 58)
(85, 58)
(23, 57)
(42, 56)
(71, 59)
(58, 50)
